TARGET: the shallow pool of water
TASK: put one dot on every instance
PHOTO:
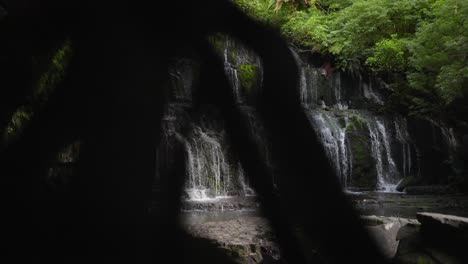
(405, 205)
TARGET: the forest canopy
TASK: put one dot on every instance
(420, 47)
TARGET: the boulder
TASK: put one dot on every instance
(445, 236)
(248, 240)
(385, 231)
(406, 182)
(436, 221)
(385, 237)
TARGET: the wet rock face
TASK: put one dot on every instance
(437, 239)
(246, 239)
(436, 146)
(448, 224)
(242, 68)
(364, 170)
(63, 168)
(367, 149)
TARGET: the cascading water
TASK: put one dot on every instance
(387, 174)
(402, 135)
(326, 102)
(369, 92)
(211, 170)
(367, 150)
(333, 135)
(207, 165)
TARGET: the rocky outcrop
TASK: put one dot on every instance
(247, 240)
(438, 239)
(384, 230)
(359, 143)
(444, 225)
(368, 149)
(432, 238)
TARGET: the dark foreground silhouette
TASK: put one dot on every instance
(112, 100)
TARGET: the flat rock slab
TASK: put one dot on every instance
(441, 220)
(385, 230)
(250, 239)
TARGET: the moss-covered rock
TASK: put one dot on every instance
(342, 122)
(364, 174)
(248, 76)
(50, 75)
(217, 41)
(407, 181)
(233, 56)
(356, 122)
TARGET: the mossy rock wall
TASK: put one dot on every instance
(249, 77)
(364, 174)
(242, 64)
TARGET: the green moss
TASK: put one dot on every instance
(342, 122)
(233, 56)
(425, 260)
(47, 82)
(363, 173)
(308, 70)
(217, 41)
(55, 71)
(17, 123)
(356, 122)
(359, 151)
(248, 76)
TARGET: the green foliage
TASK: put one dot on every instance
(308, 29)
(357, 29)
(419, 45)
(349, 30)
(17, 123)
(264, 11)
(47, 82)
(425, 260)
(217, 42)
(55, 72)
(233, 56)
(356, 122)
(388, 55)
(248, 76)
(440, 51)
(332, 5)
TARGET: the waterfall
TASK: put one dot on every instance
(232, 75)
(403, 137)
(206, 165)
(340, 102)
(308, 81)
(248, 191)
(447, 135)
(379, 146)
(333, 136)
(369, 92)
(211, 172)
(327, 99)
(387, 173)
